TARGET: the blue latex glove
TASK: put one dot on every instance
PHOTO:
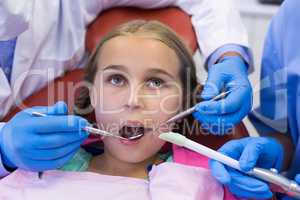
(251, 152)
(297, 178)
(219, 117)
(41, 143)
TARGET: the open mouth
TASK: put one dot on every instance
(132, 132)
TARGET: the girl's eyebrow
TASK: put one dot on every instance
(160, 71)
(116, 67)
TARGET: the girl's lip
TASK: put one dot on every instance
(135, 141)
(129, 142)
(132, 123)
(137, 124)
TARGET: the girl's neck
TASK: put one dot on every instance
(109, 165)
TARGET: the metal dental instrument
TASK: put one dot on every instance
(278, 183)
(193, 109)
(91, 129)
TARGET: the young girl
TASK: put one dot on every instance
(140, 74)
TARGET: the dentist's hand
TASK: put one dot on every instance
(297, 178)
(251, 152)
(41, 143)
(219, 117)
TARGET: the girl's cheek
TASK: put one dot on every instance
(113, 100)
(166, 104)
(154, 138)
(171, 105)
(110, 142)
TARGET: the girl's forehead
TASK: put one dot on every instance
(139, 52)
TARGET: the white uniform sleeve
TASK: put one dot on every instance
(14, 17)
(216, 23)
(3, 171)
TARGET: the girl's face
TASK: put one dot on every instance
(136, 88)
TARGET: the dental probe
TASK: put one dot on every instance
(193, 109)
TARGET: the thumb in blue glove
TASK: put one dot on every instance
(252, 151)
(297, 178)
(220, 116)
(41, 143)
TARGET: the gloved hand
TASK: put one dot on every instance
(297, 178)
(251, 152)
(41, 143)
(219, 117)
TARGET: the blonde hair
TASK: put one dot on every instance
(154, 30)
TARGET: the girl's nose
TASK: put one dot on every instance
(135, 98)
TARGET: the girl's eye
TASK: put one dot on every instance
(155, 83)
(117, 80)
